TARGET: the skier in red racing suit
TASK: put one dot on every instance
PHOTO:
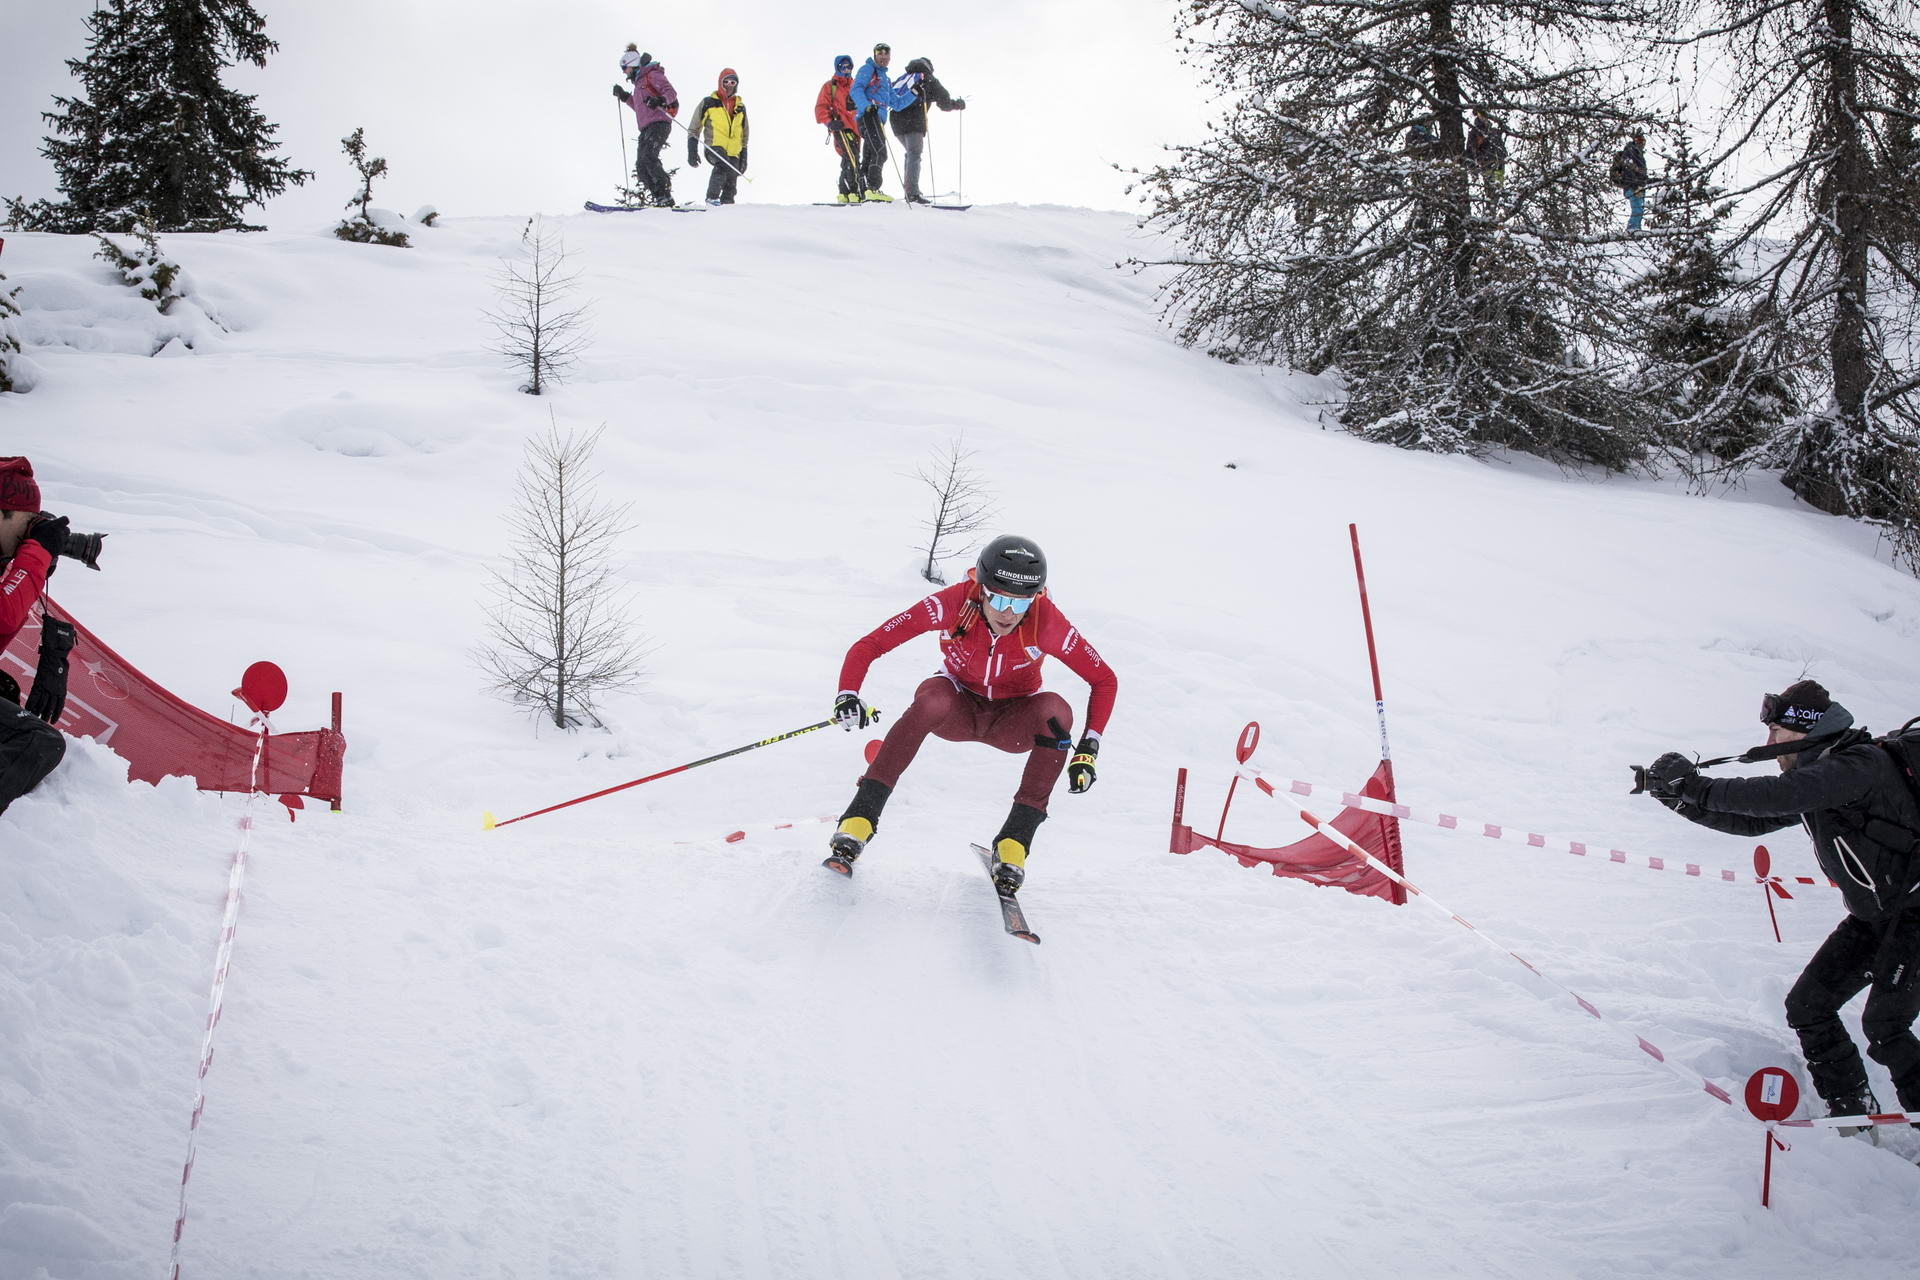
(996, 630)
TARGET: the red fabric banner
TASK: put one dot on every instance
(1316, 858)
(158, 735)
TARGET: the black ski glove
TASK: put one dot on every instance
(1080, 769)
(850, 713)
(49, 696)
(959, 104)
(742, 165)
(655, 101)
(51, 533)
(693, 155)
(622, 94)
(1666, 775)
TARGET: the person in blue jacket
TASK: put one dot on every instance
(874, 95)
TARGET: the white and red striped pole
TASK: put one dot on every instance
(1395, 857)
(263, 688)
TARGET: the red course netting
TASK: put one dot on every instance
(1316, 858)
(158, 735)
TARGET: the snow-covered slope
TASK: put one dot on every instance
(576, 1048)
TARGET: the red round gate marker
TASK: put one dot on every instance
(873, 750)
(1772, 1094)
(1249, 739)
(263, 688)
(1762, 861)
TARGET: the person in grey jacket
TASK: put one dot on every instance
(1854, 800)
(910, 122)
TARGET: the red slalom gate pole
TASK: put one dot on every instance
(489, 822)
(1395, 858)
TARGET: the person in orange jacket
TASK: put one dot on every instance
(834, 109)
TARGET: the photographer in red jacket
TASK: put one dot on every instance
(30, 541)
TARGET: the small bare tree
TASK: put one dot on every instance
(560, 632)
(963, 505)
(540, 330)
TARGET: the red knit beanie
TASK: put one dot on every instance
(18, 492)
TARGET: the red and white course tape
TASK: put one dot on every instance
(1533, 839)
(1697, 1082)
(759, 828)
(217, 997)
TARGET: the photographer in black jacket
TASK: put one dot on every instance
(1865, 824)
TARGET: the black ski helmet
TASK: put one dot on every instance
(1011, 566)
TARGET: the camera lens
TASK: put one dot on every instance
(84, 547)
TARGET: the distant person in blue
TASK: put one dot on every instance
(875, 95)
(1629, 173)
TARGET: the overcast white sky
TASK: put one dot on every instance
(503, 106)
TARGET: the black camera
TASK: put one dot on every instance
(84, 547)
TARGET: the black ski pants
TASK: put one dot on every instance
(653, 174)
(849, 174)
(722, 181)
(30, 748)
(1880, 957)
(873, 150)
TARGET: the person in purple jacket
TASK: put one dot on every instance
(654, 104)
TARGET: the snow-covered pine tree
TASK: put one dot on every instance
(1824, 81)
(362, 229)
(136, 255)
(154, 131)
(1704, 345)
(1332, 219)
(14, 370)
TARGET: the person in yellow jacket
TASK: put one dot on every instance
(719, 131)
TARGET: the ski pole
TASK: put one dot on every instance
(489, 822)
(717, 155)
(620, 109)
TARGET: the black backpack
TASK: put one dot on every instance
(1904, 746)
(1621, 174)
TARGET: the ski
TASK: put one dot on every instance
(642, 208)
(956, 208)
(838, 865)
(1010, 913)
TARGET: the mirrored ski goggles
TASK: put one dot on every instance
(1776, 711)
(1019, 604)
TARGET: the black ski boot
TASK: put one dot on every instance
(1011, 846)
(857, 826)
(1862, 1103)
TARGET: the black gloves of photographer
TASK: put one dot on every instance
(51, 533)
(49, 696)
(1671, 777)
